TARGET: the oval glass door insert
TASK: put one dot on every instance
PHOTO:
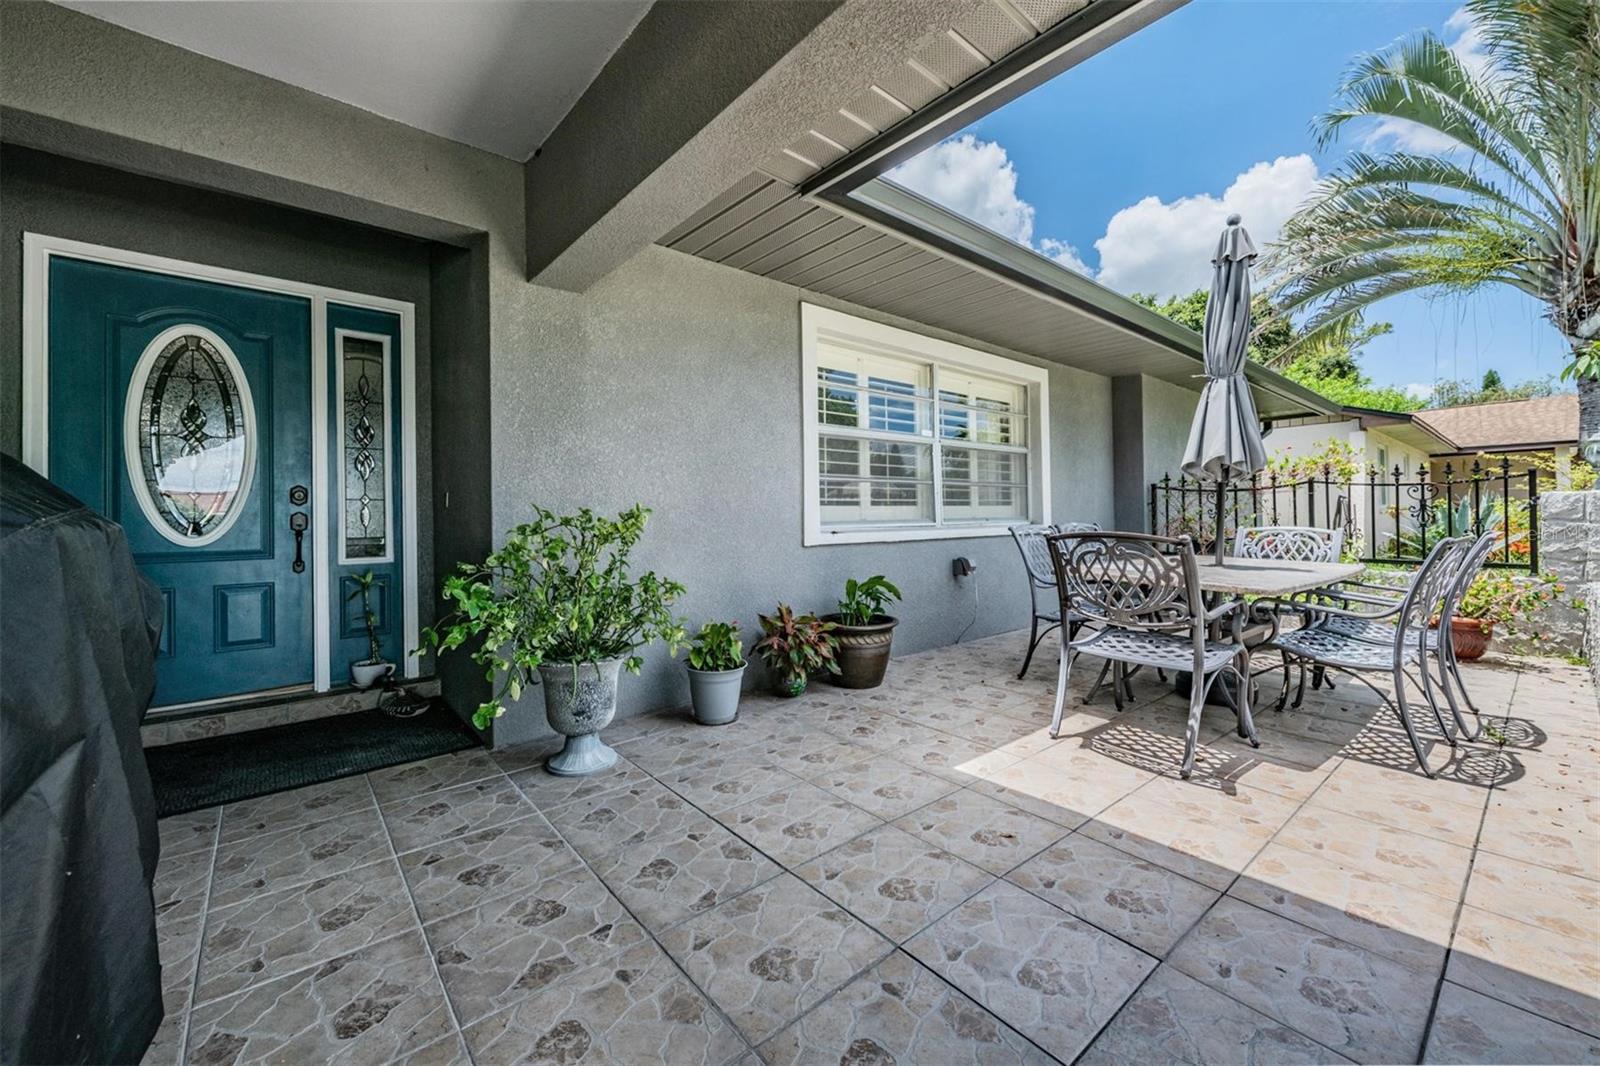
(190, 435)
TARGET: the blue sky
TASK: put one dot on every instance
(1121, 167)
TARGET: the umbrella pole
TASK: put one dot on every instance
(1221, 491)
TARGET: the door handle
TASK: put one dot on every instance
(298, 523)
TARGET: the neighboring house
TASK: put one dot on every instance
(696, 294)
(1514, 428)
(1421, 443)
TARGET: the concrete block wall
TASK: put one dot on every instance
(1569, 547)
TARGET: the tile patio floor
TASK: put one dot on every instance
(917, 874)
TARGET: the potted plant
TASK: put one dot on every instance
(865, 631)
(560, 604)
(794, 646)
(374, 667)
(1497, 597)
(716, 669)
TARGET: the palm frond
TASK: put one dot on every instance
(1421, 80)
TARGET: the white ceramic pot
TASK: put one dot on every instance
(365, 675)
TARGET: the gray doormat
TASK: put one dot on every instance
(204, 773)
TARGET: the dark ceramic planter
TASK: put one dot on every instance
(863, 653)
(1469, 639)
(790, 686)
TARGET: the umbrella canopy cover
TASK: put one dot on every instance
(1225, 439)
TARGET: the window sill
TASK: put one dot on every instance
(889, 534)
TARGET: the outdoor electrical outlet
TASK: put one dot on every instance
(961, 567)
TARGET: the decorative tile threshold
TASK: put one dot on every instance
(271, 710)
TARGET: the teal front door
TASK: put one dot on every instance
(182, 410)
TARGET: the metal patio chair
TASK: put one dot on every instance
(1378, 628)
(1030, 540)
(1316, 644)
(1311, 544)
(1141, 595)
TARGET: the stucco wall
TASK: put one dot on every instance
(1168, 414)
(676, 383)
(673, 382)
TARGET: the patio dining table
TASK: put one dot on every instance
(1238, 578)
(1271, 577)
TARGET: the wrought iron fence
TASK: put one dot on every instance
(1387, 516)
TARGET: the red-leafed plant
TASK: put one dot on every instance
(795, 646)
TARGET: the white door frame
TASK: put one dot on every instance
(37, 251)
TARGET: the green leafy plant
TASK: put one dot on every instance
(561, 590)
(717, 647)
(364, 585)
(1497, 597)
(795, 646)
(865, 600)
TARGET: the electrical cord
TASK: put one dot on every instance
(974, 579)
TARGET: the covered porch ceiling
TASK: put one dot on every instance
(816, 214)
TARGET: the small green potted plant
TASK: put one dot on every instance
(560, 605)
(374, 667)
(1496, 597)
(716, 670)
(865, 631)
(794, 646)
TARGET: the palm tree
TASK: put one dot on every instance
(1512, 199)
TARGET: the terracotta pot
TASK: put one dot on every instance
(863, 653)
(1470, 638)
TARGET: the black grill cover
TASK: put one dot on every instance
(81, 978)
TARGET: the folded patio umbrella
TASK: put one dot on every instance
(1225, 439)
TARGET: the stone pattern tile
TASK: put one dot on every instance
(1358, 1003)
(1174, 1018)
(1054, 897)
(769, 955)
(1149, 907)
(1039, 969)
(634, 1007)
(893, 881)
(899, 1011)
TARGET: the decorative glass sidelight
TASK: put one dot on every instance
(191, 437)
(364, 448)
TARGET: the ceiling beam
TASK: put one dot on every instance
(692, 103)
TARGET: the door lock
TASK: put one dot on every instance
(298, 495)
(298, 523)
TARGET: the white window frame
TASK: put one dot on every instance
(822, 323)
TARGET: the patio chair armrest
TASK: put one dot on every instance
(1346, 596)
(1222, 610)
(1327, 610)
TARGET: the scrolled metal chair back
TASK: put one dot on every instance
(1426, 596)
(1466, 571)
(1309, 544)
(1132, 580)
(1035, 552)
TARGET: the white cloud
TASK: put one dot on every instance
(1418, 391)
(1470, 46)
(1166, 248)
(977, 180)
(1066, 255)
(973, 178)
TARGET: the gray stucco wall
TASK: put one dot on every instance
(676, 383)
(1168, 413)
(672, 382)
(62, 198)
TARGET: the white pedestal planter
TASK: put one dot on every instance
(579, 702)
